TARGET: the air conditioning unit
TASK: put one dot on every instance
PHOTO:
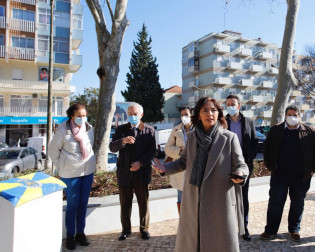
(34, 95)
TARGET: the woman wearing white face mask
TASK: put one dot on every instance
(71, 152)
(174, 147)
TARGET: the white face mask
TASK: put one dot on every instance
(292, 120)
(79, 120)
(185, 120)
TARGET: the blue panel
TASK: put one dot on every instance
(62, 6)
(62, 58)
(62, 32)
(29, 120)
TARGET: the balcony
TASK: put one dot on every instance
(248, 113)
(222, 81)
(244, 52)
(21, 25)
(234, 66)
(75, 63)
(305, 107)
(265, 55)
(77, 37)
(31, 2)
(30, 111)
(246, 83)
(266, 84)
(193, 69)
(296, 93)
(21, 53)
(219, 48)
(32, 86)
(266, 114)
(273, 70)
(255, 68)
(312, 120)
(193, 54)
(2, 51)
(2, 22)
(256, 98)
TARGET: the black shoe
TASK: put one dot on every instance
(247, 237)
(145, 235)
(81, 239)
(123, 236)
(70, 242)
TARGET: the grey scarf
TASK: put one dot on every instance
(204, 142)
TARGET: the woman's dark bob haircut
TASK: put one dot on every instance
(200, 103)
(74, 107)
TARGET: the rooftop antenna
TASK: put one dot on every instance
(225, 9)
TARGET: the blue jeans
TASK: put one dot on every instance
(77, 192)
(179, 196)
(279, 187)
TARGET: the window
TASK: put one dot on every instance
(23, 42)
(43, 16)
(23, 102)
(17, 74)
(62, 19)
(57, 102)
(23, 14)
(77, 22)
(43, 45)
(232, 91)
(2, 11)
(61, 45)
(1, 39)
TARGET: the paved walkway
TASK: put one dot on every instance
(163, 234)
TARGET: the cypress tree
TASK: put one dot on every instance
(143, 84)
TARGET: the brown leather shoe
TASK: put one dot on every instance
(295, 237)
(267, 236)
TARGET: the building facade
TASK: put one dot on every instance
(172, 105)
(24, 59)
(220, 64)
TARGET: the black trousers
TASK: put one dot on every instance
(245, 202)
(126, 196)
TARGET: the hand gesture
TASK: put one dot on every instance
(135, 166)
(129, 140)
(238, 180)
(158, 166)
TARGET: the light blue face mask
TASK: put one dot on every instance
(232, 110)
(79, 120)
(134, 120)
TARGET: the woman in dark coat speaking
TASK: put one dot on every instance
(212, 215)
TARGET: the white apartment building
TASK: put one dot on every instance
(220, 64)
(24, 58)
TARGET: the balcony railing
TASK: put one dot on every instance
(244, 52)
(31, 2)
(21, 25)
(30, 111)
(256, 68)
(222, 81)
(234, 65)
(296, 93)
(221, 48)
(21, 53)
(266, 84)
(273, 70)
(256, 98)
(265, 55)
(248, 113)
(2, 22)
(32, 85)
(193, 54)
(2, 51)
(266, 114)
(247, 83)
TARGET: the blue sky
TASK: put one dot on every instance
(172, 24)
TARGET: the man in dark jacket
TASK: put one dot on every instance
(245, 130)
(135, 142)
(290, 155)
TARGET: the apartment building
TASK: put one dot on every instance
(220, 64)
(172, 105)
(24, 59)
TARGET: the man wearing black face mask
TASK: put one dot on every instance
(135, 142)
(290, 155)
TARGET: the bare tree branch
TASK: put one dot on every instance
(110, 11)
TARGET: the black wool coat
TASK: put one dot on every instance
(142, 150)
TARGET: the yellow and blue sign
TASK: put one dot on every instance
(29, 187)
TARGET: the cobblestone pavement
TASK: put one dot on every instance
(163, 234)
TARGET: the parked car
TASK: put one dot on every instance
(3, 145)
(112, 161)
(261, 139)
(17, 159)
(37, 143)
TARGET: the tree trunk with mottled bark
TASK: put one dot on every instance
(286, 79)
(109, 48)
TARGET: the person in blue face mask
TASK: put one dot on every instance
(245, 130)
(135, 142)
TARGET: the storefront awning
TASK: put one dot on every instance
(29, 120)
